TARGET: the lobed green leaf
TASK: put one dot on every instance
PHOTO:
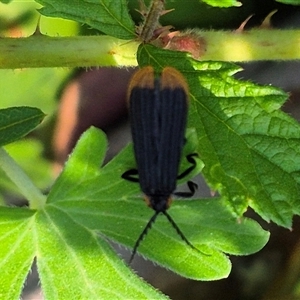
(107, 204)
(249, 147)
(87, 206)
(68, 253)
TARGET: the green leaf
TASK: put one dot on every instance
(16, 122)
(16, 251)
(109, 16)
(91, 269)
(59, 242)
(250, 148)
(87, 206)
(223, 3)
(292, 2)
(112, 206)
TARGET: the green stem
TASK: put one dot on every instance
(87, 51)
(253, 45)
(81, 51)
(36, 199)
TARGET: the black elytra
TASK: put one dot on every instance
(158, 108)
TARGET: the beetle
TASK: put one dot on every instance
(158, 107)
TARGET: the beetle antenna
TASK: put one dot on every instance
(142, 235)
(180, 233)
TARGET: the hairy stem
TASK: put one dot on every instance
(253, 45)
(81, 51)
(87, 51)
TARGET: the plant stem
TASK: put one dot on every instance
(86, 51)
(81, 51)
(36, 199)
(253, 45)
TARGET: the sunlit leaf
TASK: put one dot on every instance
(222, 3)
(250, 148)
(109, 16)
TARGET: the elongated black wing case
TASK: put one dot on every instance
(158, 114)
